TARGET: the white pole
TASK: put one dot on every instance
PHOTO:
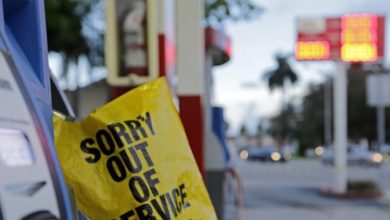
(340, 128)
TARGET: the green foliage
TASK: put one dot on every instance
(66, 22)
(302, 149)
(64, 28)
(284, 125)
(243, 130)
(217, 11)
(362, 186)
(307, 124)
(361, 118)
(277, 78)
(311, 119)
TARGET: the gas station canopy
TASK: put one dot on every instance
(219, 44)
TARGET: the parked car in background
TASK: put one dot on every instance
(264, 154)
(385, 150)
(355, 156)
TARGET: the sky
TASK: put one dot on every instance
(238, 85)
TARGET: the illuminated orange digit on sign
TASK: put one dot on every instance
(312, 50)
(359, 38)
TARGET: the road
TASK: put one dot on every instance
(291, 191)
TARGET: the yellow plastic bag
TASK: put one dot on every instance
(131, 159)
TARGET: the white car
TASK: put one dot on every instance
(355, 156)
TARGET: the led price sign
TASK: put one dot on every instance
(351, 38)
(359, 38)
(312, 50)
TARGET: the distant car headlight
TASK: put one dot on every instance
(319, 150)
(287, 156)
(377, 157)
(244, 154)
(275, 156)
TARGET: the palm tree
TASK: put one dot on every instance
(278, 77)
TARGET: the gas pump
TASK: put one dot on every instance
(140, 43)
(31, 182)
(198, 50)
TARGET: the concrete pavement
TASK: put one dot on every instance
(290, 191)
